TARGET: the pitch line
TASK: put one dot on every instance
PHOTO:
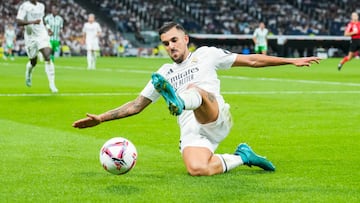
(228, 77)
(298, 81)
(134, 93)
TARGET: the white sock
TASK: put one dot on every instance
(229, 161)
(50, 71)
(192, 99)
(89, 59)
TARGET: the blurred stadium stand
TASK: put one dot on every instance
(133, 23)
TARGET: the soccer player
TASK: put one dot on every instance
(191, 89)
(91, 34)
(10, 40)
(260, 39)
(352, 30)
(30, 15)
(54, 23)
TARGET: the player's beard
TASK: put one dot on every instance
(177, 57)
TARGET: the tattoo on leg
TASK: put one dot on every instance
(211, 97)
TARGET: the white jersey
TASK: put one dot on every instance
(261, 35)
(10, 36)
(200, 69)
(91, 31)
(30, 12)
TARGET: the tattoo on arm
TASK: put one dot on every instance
(128, 109)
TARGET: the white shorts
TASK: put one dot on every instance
(207, 135)
(34, 44)
(92, 46)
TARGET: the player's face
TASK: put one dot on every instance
(354, 17)
(262, 25)
(91, 18)
(54, 11)
(175, 42)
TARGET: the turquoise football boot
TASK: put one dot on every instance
(174, 102)
(250, 158)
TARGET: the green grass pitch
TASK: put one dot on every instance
(305, 120)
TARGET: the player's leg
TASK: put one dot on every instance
(32, 52)
(95, 52)
(30, 65)
(203, 103)
(93, 59)
(345, 59)
(89, 59)
(264, 50)
(52, 46)
(354, 46)
(200, 161)
(11, 53)
(49, 68)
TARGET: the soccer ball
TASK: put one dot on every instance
(118, 155)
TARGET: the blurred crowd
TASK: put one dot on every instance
(288, 17)
(71, 36)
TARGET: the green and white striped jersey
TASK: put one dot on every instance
(55, 23)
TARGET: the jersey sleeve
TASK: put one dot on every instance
(21, 12)
(348, 27)
(255, 32)
(150, 92)
(222, 59)
(84, 28)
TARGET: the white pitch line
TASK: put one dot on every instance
(133, 93)
(298, 81)
(229, 77)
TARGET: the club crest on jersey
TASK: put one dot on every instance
(194, 60)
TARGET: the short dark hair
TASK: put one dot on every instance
(169, 25)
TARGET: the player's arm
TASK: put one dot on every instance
(25, 22)
(260, 60)
(254, 36)
(131, 108)
(83, 38)
(47, 25)
(349, 33)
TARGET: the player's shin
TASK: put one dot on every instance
(229, 161)
(89, 59)
(344, 60)
(93, 61)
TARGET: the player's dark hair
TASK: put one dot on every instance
(169, 25)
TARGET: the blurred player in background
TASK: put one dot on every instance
(352, 30)
(260, 39)
(30, 15)
(10, 40)
(54, 23)
(91, 35)
(191, 88)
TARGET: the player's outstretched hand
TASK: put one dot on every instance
(306, 61)
(90, 121)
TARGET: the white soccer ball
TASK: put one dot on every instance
(118, 155)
